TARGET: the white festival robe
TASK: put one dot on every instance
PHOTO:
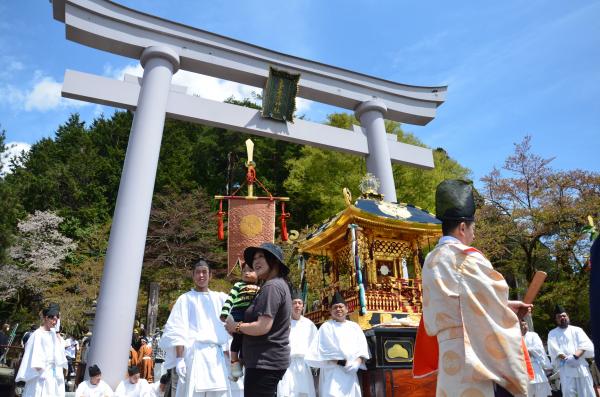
(574, 381)
(298, 380)
(194, 323)
(44, 349)
(139, 389)
(155, 390)
(338, 341)
(479, 338)
(86, 389)
(539, 386)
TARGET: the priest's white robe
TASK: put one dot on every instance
(338, 341)
(139, 389)
(575, 379)
(298, 380)
(44, 353)
(539, 386)
(86, 389)
(155, 390)
(194, 323)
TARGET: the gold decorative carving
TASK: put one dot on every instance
(394, 210)
(251, 225)
(347, 196)
(397, 351)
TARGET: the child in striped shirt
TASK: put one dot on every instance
(240, 297)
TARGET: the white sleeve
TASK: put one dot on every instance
(176, 331)
(81, 390)
(584, 343)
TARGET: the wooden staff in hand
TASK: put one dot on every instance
(532, 291)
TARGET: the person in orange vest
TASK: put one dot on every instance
(145, 361)
(133, 357)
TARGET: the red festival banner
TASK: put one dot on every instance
(250, 223)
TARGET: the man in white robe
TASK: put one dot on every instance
(44, 359)
(133, 385)
(339, 350)
(194, 341)
(158, 388)
(569, 346)
(298, 380)
(94, 386)
(539, 385)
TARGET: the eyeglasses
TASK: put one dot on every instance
(53, 317)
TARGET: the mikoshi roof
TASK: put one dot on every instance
(391, 219)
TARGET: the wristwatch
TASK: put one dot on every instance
(237, 327)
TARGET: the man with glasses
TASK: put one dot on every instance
(44, 359)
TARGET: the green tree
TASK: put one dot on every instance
(182, 229)
(63, 174)
(318, 176)
(417, 186)
(10, 204)
(535, 218)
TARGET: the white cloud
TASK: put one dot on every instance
(14, 149)
(9, 66)
(14, 65)
(43, 95)
(204, 86)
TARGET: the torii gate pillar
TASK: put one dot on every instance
(115, 311)
(370, 114)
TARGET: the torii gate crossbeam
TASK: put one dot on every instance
(180, 106)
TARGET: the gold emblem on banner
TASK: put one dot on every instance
(251, 225)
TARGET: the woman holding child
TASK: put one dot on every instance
(266, 324)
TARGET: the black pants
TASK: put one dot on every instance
(236, 342)
(499, 391)
(262, 382)
(71, 367)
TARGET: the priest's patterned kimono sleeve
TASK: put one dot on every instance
(465, 306)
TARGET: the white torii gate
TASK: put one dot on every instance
(163, 47)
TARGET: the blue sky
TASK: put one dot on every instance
(513, 68)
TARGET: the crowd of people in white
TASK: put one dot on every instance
(196, 364)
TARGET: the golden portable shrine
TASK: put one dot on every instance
(372, 252)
